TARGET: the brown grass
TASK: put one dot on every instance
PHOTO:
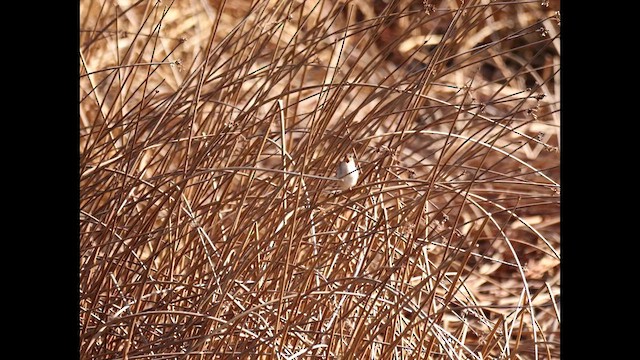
(211, 224)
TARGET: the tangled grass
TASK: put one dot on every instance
(211, 222)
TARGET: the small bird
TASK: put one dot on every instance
(347, 172)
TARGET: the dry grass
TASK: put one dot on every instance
(211, 226)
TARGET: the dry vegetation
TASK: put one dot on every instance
(211, 226)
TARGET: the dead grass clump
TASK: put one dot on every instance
(212, 226)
